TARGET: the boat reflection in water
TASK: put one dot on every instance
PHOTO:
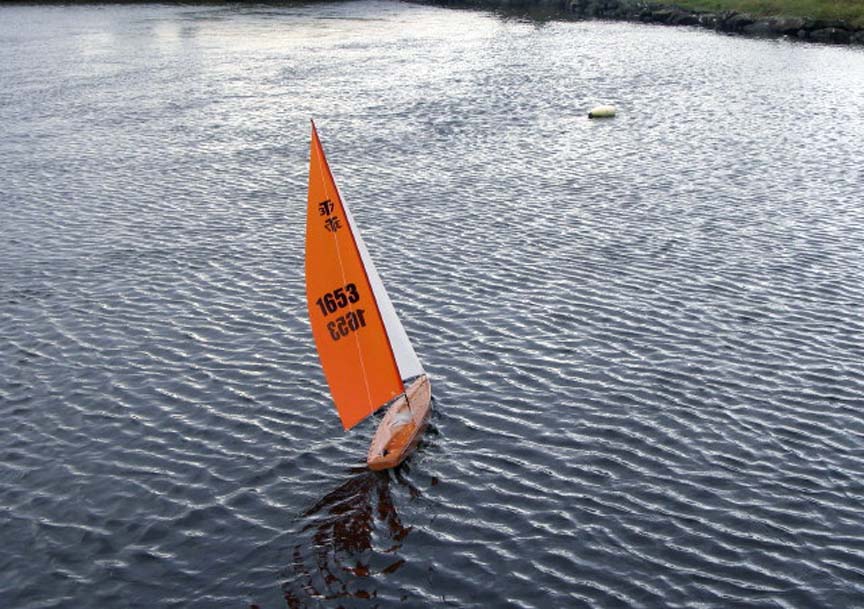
(350, 537)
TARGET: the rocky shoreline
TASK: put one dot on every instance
(812, 30)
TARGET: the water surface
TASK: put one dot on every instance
(646, 335)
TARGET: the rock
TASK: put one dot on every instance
(760, 29)
(829, 31)
(684, 18)
(625, 12)
(673, 16)
(824, 24)
(736, 22)
(708, 20)
(594, 8)
(787, 26)
(577, 7)
(660, 16)
(830, 34)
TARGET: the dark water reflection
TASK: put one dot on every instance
(646, 335)
(349, 537)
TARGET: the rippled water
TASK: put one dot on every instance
(646, 334)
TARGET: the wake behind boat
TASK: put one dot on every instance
(365, 353)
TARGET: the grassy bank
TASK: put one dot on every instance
(851, 11)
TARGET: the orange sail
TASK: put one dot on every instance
(347, 324)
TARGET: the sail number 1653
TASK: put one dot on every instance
(331, 302)
(338, 299)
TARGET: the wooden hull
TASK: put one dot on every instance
(402, 427)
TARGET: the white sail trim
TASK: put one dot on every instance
(406, 359)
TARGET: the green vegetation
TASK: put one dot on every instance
(851, 11)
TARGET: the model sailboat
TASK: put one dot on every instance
(364, 350)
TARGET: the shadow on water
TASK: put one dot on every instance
(348, 539)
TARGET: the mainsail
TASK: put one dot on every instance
(364, 350)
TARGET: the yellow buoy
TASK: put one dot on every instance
(602, 112)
